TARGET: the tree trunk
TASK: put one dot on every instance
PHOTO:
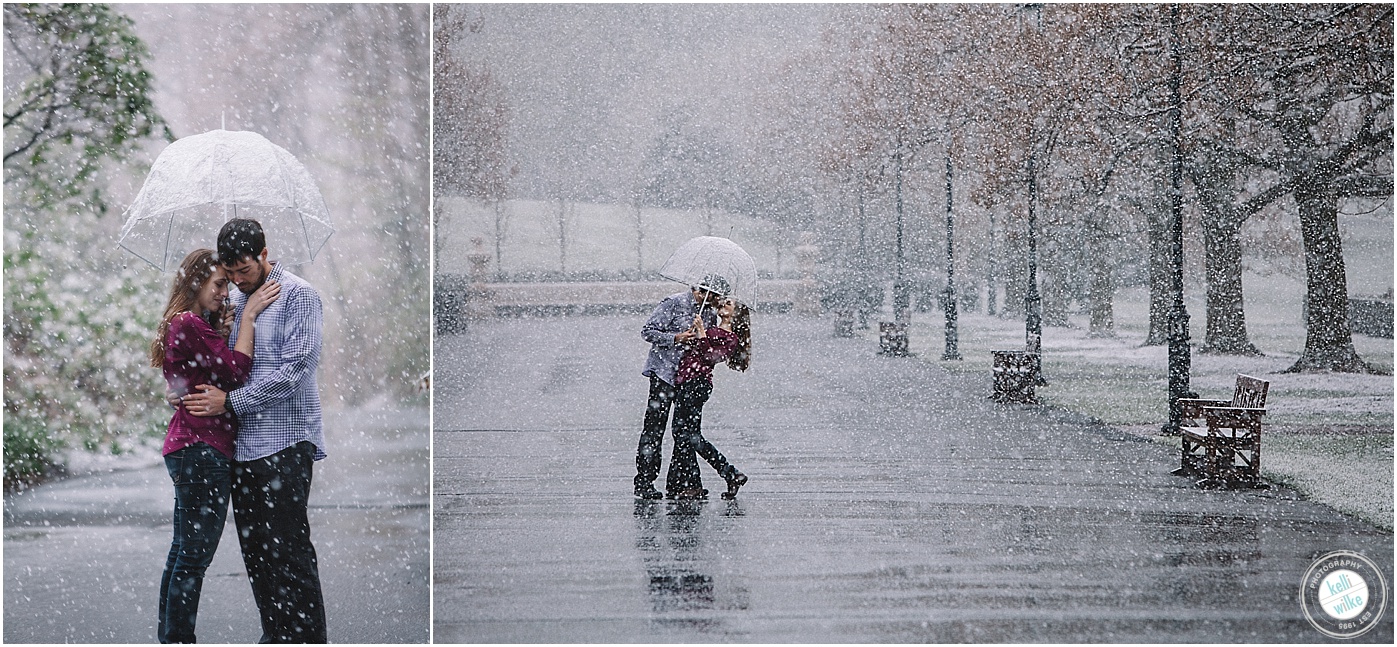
(991, 290)
(1101, 288)
(1227, 322)
(1159, 279)
(499, 236)
(1055, 292)
(562, 236)
(969, 294)
(639, 241)
(1014, 271)
(1328, 340)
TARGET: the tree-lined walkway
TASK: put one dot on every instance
(889, 501)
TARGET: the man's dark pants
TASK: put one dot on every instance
(652, 436)
(269, 506)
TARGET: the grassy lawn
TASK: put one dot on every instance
(1351, 472)
(1317, 425)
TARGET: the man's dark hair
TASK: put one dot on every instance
(240, 238)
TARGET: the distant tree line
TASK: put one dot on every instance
(1064, 109)
(1060, 109)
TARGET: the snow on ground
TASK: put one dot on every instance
(1317, 425)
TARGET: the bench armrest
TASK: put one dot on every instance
(1193, 407)
(1232, 416)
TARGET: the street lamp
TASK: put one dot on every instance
(902, 295)
(1033, 315)
(893, 335)
(991, 290)
(1179, 359)
(952, 342)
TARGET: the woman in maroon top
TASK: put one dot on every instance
(730, 341)
(192, 348)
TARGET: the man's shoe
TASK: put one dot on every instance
(688, 494)
(648, 493)
(738, 480)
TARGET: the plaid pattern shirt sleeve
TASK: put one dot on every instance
(672, 316)
(280, 404)
(660, 329)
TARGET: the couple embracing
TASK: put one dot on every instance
(689, 334)
(240, 371)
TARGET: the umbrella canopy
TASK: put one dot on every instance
(706, 256)
(202, 181)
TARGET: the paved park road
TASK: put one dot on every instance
(888, 502)
(83, 556)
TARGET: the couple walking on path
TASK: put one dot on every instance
(240, 372)
(689, 334)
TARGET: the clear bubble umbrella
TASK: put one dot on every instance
(202, 181)
(706, 257)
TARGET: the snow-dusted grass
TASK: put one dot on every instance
(1352, 473)
(1317, 425)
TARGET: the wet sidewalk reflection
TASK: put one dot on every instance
(890, 502)
(679, 543)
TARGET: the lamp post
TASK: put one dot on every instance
(991, 289)
(952, 351)
(902, 296)
(1033, 316)
(892, 336)
(1179, 358)
(864, 280)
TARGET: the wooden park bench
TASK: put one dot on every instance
(1015, 376)
(1222, 438)
(843, 322)
(892, 339)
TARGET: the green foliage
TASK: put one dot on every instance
(27, 451)
(76, 334)
(85, 99)
(76, 328)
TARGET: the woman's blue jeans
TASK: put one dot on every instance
(689, 442)
(203, 484)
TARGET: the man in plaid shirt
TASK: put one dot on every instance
(280, 435)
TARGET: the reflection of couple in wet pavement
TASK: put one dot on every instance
(689, 334)
(678, 564)
(247, 429)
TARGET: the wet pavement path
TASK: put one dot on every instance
(83, 556)
(889, 502)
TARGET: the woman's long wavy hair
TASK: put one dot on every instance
(742, 327)
(193, 273)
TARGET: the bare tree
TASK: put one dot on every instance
(1321, 94)
(470, 113)
(1280, 101)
